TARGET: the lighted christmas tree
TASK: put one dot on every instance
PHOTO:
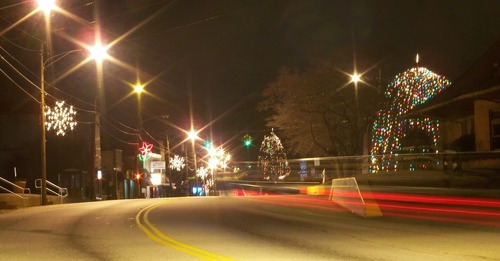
(272, 158)
(391, 130)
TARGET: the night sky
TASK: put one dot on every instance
(219, 55)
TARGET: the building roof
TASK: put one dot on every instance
(480, 81)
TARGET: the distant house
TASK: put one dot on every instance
(469, 109)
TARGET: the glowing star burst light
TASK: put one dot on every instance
(60, 118)
(46, 5)
(219, 158)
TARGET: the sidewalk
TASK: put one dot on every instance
(10, 201)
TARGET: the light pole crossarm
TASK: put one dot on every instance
(54, 59)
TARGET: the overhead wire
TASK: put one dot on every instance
(37, 76)
(20, 73)
(122, 131)
(47, 83)
(20, 46)
(21, 88)
(116, 138)
(37, 87)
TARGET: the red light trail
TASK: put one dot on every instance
(449, 209)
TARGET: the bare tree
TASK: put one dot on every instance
(319, 112)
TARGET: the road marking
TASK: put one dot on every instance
(143, 223)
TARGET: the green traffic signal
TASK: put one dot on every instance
(247, 140)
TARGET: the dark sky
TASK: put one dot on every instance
(218, 55)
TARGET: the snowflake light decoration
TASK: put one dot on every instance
(202, 172)
(60, 118)
(177, 163)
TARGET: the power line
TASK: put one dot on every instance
(21, 88)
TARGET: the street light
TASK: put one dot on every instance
(138, 88)
(193, 135)
(98, 52)
(355, 78)
(218, 158)
(46, 6)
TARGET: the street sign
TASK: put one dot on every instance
(158, 165)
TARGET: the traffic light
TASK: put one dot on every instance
(247, 140)
(207, 144)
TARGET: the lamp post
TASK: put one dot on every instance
(98, 53)
(46, 6)
(355, 79)
(138, 88)
(167, 164)
(193, 135)
(43, 138)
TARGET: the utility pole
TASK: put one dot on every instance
(43, 138)
(167, 163)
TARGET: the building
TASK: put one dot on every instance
(469, 112)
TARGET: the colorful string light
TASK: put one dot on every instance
(407, 90)
(272, 157)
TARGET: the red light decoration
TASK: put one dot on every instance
(145, 150)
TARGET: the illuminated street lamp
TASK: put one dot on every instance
(218, 158)
(138, 88)
(193, 135)
(98, 52)
(355, 78)
(46, 6)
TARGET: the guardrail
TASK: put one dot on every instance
(52, 188)
(483, 165)
(19, 188)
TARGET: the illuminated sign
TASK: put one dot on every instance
(145, 150)
(158, 164)
(156, 178)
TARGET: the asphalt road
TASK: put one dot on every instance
(269, 227)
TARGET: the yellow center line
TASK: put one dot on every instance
(142, 221)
